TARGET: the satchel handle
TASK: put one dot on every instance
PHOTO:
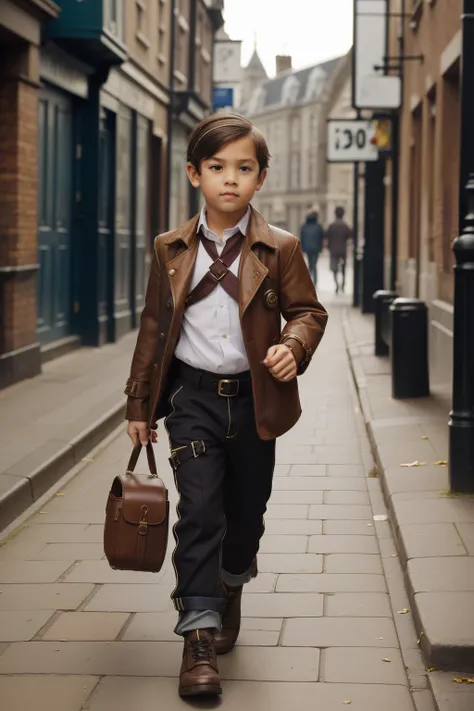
(149, 454)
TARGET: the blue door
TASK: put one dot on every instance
(54, 216)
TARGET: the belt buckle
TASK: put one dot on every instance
(221, 385)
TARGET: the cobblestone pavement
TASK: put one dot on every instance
(320, 628)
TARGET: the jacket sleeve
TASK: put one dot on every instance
(138, 384)
(306, 318)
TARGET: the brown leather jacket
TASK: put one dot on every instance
(274, 280)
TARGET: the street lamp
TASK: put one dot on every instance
(461, 424)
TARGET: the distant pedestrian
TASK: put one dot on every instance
(337, 236)
(212, 358)
(311, 236)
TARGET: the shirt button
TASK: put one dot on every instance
(172, 272)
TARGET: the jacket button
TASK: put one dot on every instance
(172, 272)
(162, 336)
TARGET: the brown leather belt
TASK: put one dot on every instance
(223, 385)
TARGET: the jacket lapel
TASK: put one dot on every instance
(251, 271)
(180, 266)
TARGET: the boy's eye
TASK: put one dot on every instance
(215, 167)
(245, 168)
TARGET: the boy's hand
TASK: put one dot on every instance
(281, 363)
(139, 431)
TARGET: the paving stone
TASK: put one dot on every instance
(303, 563)
(442, 510)
(131, 598)
(358, 605)
(431, 540)
(297, 497)
(326, 582)
(303, 470)
(17, 550)
(152, 627)
(424, 700)
(282, 605)
(320, 483)
(349, 528)
(291, 527)
(287, 511)
(282, 543)
(72, 551)
(56, 533)
(345, 470)
(447, 619)
(86, 626)
(442, 574)
(32, 572)
(358, 498)
(120, 694)
(45, 693)
(342, 544)
(46, 596)
(100, 572)
(339, 632)
(298, 455)
(342, 454)
(270, 664)
(265, 582)
(282, 469)
(352, 563)
(326, 512)
(416, 668)
(466, 531)
(400, 480)
(364, 665)
(22, 626)
(450, 696)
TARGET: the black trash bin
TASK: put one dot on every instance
(383, 298)
(409, 348)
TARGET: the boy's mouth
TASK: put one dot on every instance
(229, 195)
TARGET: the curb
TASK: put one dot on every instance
(26, 490)
(435, 653)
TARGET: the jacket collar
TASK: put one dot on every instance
(258, 232)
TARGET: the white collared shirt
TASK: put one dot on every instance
(211, 335)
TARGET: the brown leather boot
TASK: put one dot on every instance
(199, 675)
(225, 639)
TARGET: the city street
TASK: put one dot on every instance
(320, 627)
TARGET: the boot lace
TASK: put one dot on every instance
(201, 650)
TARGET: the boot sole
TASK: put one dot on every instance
(201, 690)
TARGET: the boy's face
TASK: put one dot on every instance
(229, 179)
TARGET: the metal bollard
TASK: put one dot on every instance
(383, 299)
(409, 348)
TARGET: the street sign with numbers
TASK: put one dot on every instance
(351, 141)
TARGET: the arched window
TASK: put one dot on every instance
(289, 92)
(315, 84)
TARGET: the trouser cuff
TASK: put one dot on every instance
(198, 620)
(235, 581)
(185, 604)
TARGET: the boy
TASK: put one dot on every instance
(211, 356)
(337, 236)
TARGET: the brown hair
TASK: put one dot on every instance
(219, 130)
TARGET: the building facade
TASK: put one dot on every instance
(429, 165)
(291, 110)
(98, 87)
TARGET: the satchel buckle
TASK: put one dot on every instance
(143, 528)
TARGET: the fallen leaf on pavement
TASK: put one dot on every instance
(432, 669)
(43, 512)
(405, 611)
(61, 494)
(347, 702)
(414, 464)
(442, 462)
(87, 459)
(385, 659)
(425, 437)
(380, 517)
(463, 680)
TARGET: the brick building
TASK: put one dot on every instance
(20, 37)
(89, 93)
(429, 163)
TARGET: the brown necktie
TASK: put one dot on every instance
(219, 271)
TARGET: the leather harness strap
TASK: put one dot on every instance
(219, 271)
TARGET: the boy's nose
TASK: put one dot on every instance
(231, 179)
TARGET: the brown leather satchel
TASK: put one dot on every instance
(137, 518)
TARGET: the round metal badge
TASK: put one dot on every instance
(271, 299)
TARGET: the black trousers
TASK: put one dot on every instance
(223, 491)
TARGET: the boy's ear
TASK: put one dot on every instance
(261, 179)
(193, 175)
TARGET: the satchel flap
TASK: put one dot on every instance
(144, 499)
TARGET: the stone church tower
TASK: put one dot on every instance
(253, 76)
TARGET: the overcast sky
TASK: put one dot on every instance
(310, 30)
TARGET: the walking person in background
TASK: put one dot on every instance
(311, 236)
(337, 236)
